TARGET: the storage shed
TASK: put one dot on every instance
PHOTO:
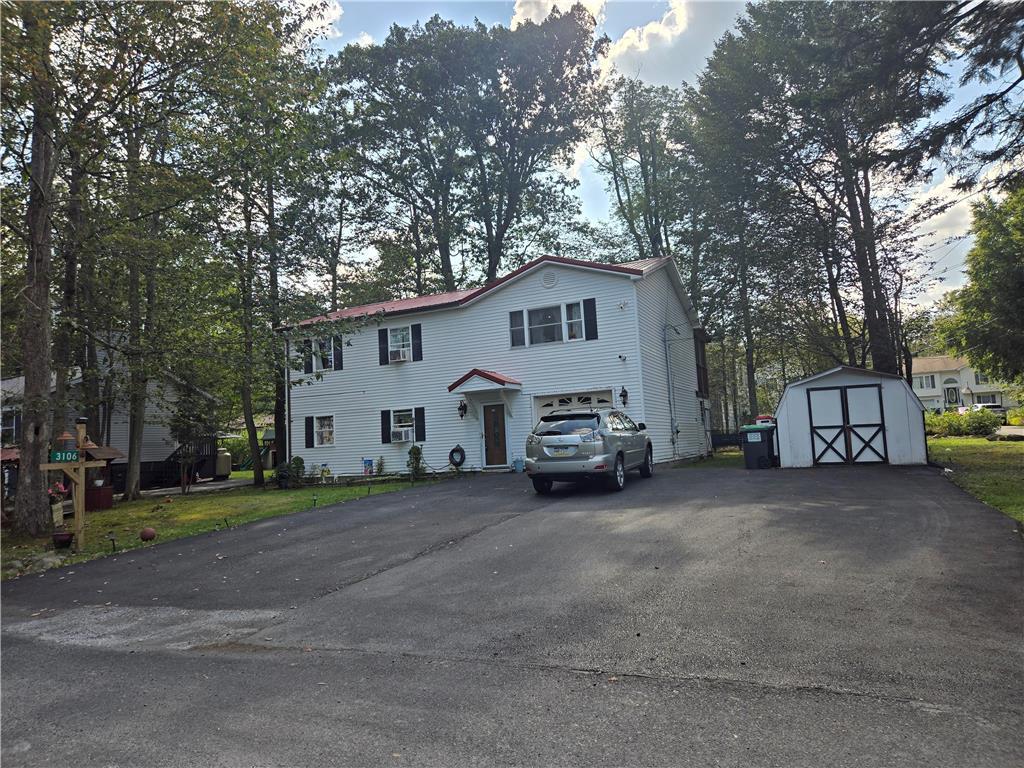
(850, 416)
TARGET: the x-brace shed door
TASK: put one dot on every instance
(847, 424)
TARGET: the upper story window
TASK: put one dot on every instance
(399, 343)
(11, 434)
(323, 355)
(574, 321)
(924, 382)
(980, 378)
(545, 325)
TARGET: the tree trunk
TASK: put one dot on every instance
(32, 508)
(247, 275)
(137, 383)
(273, 266)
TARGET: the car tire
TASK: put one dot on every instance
(647, 468)
(542, 485)
(617, 480)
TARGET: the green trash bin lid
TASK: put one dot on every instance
(757, 427)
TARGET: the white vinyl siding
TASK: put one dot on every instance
(658, 305)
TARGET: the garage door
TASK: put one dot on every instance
(545, 405)
(847, 424)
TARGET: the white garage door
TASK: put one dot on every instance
(545, 405)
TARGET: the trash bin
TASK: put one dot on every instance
(759, 446)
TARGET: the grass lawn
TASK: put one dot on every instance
(729, 456)
(993, 471)
(177, 516)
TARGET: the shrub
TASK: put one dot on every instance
(298, 470)
(282, 475)
(379, 469)
(415, 462)
(952, 424)
(1015, 416)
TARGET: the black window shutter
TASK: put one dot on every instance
(385, 426)
(307, 356)
(417, 341)
(589, 319)
(338, 353)
(309, 431)
(421, 425)
(382, 345)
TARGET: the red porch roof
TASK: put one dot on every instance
(497, 378)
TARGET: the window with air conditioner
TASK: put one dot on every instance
(402, 426)
(400, 344)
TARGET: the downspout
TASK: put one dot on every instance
(671, 404)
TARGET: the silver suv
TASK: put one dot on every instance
(571, 445)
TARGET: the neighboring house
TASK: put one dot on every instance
(477, 368)
(948, 382)
(158, 463)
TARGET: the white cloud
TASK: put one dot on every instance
(325, 26)
(628, 53)
(364, 39)
(538, 10)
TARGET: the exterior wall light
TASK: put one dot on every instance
(463, 409)
(624, 396)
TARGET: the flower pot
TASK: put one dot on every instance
(57, 511)
(62, 539)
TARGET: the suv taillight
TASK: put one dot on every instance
(593, 436)
(532, 439)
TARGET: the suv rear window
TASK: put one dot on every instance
(567, 424)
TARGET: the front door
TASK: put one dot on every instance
(495, 453)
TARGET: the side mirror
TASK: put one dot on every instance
(642, 426)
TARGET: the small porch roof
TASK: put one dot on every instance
(480, 380)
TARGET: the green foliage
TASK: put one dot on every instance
(1015, 417)
(238, 447)
(415, 462)
(298, 470)
(991, 471)
(379, 468)
(987, 326)
(979, 423)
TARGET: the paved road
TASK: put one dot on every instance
(860, 617)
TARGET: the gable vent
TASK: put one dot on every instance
(549, 279)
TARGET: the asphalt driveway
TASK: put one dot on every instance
(867, 616)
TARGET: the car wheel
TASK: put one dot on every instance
(647, 468)
(617, 481)
(542, 485)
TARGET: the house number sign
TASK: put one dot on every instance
(69, 455)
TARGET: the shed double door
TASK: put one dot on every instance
(847, 424)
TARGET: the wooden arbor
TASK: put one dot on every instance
(75, 470)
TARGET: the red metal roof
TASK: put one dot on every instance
(9, 454)
(458, 298)
(497, 378)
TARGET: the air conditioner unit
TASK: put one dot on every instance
(399, 355)
(401, 435)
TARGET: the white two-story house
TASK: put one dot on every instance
(476, 368)
(949, 382)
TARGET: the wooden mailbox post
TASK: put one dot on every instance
(75, 470)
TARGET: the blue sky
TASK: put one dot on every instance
(663, 43)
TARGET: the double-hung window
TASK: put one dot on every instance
(323, 355)
(980, 378)
(400, 343)
(545, 324)
(324, 432)
(574, 321)
(402, 419)
(986, 399)
(517, 333)
(924, 382)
